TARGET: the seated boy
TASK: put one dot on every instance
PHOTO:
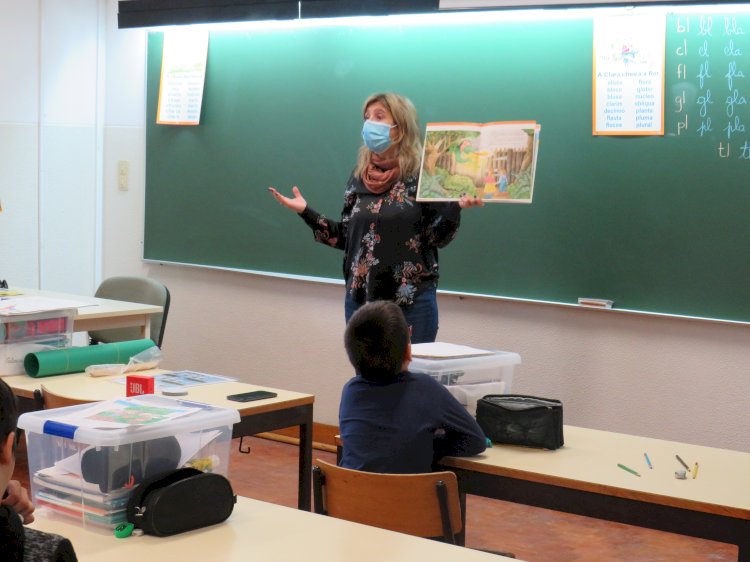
(17, 543)
(391, 420)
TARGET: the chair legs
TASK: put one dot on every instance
(319, 481)
(442, 494)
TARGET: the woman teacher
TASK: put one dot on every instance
(390, 241)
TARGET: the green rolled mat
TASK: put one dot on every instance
(76, 359)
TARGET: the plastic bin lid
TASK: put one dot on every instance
(431, 362)
(37, 314)
(53, 422)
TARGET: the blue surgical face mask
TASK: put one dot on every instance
(377, 136)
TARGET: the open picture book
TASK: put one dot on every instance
(493, 161)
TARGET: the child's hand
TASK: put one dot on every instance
(17, 497)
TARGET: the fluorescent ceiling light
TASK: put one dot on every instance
(448, 18)
(279, 15)
(501, 4)
(149, 13)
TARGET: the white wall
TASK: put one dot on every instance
(19, 136)
(50, 129)
(667, 378)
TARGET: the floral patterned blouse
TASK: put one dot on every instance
(390, 241)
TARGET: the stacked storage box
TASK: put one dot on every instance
(84, 461)
(21, 334)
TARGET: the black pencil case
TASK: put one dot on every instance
(515, 419)
(180, 500)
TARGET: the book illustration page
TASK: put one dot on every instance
(495, 161)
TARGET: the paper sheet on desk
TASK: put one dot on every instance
(440, 350)
(181, 379)
(468, 394)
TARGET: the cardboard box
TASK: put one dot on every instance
(21, 334)
(79, 469)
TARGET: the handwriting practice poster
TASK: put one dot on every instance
(709, 99)
(183, 74)
(629, 75)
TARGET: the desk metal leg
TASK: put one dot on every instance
(305, 464)
(301, 416)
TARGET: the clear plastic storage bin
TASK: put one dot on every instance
(21, 334)
(80, 469)
(467, 378)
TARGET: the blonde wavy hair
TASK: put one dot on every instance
(408, 139)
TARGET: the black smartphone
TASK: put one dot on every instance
(250, 396)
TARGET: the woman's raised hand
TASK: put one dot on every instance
(296, 204)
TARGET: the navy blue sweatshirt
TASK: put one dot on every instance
(403, 426)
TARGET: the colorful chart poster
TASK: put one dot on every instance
(629, 75)
(183, 73)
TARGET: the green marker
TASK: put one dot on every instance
(630, 470)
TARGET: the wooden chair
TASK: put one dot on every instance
(133, 289)
(425, 505)
(46, 400)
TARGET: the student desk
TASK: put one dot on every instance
(262, 532)
(583, 478)
(102, 314)
(286, 410)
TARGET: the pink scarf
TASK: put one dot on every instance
(380, 174)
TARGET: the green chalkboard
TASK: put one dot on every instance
(657, 224)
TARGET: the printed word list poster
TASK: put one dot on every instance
(183, 73)
(629, 75)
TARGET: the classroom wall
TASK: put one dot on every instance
(660, 377)
(50, 130)
(19, 148)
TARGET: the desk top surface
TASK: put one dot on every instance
(589, 460)
(95, 307)
(265, 532)
(81, 386)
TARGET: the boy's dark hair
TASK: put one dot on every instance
(376, 339)
(8, 412)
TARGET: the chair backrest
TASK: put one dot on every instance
(425, 505)
(48, 400)
(133, 289)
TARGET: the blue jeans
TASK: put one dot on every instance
(422, 315)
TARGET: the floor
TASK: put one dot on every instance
(269, 473)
